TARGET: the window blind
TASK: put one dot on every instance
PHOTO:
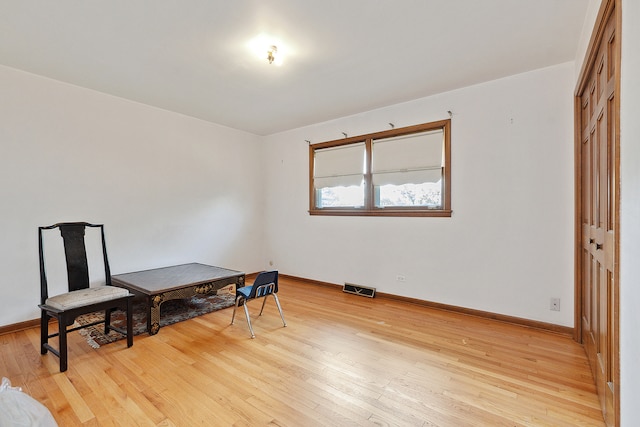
(409, 159)
(339, 166)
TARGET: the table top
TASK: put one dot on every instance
(175, 277)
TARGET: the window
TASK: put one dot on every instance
(400, 172)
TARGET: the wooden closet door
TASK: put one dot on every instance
(599, 209)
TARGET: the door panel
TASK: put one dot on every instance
(598, 180)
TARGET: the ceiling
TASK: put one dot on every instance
(340, 57)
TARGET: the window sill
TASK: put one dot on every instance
(383, 212)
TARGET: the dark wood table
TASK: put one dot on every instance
(175, 282)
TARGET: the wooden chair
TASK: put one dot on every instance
(266, 284)
(80, 298)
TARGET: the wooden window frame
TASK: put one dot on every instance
(369, 208)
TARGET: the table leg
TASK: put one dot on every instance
(153, 316)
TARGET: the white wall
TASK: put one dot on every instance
(585, 35)
(508, 248)
(169, 188)
(630, 215)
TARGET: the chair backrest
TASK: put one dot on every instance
(266, 283)
(75, 255)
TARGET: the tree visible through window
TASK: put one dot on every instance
(399, 172)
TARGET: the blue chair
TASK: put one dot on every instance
(266, 284)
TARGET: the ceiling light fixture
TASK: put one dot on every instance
(267, 46)
(272, 53)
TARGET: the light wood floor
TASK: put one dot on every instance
(344, 360)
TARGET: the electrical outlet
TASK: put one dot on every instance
(554, 304)
(400, 278)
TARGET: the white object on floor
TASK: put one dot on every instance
(18, 409)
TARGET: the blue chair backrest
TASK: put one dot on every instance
(260, 286)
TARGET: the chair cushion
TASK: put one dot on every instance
(86, 296)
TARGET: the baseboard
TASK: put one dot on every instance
(549, 327)
(21, 326)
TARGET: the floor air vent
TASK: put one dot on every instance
(364, 291)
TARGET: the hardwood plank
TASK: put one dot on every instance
(342, 360)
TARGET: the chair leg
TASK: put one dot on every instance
(129, 322)
(264, 301)
(234, 309)
(62, 342)
(246, 312)
(275, 296)
(107, 320)
(44, 332)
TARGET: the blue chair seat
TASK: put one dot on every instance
(245, 291)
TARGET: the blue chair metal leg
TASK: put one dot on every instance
(246, 312)
(234, 309)
(275, 296)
